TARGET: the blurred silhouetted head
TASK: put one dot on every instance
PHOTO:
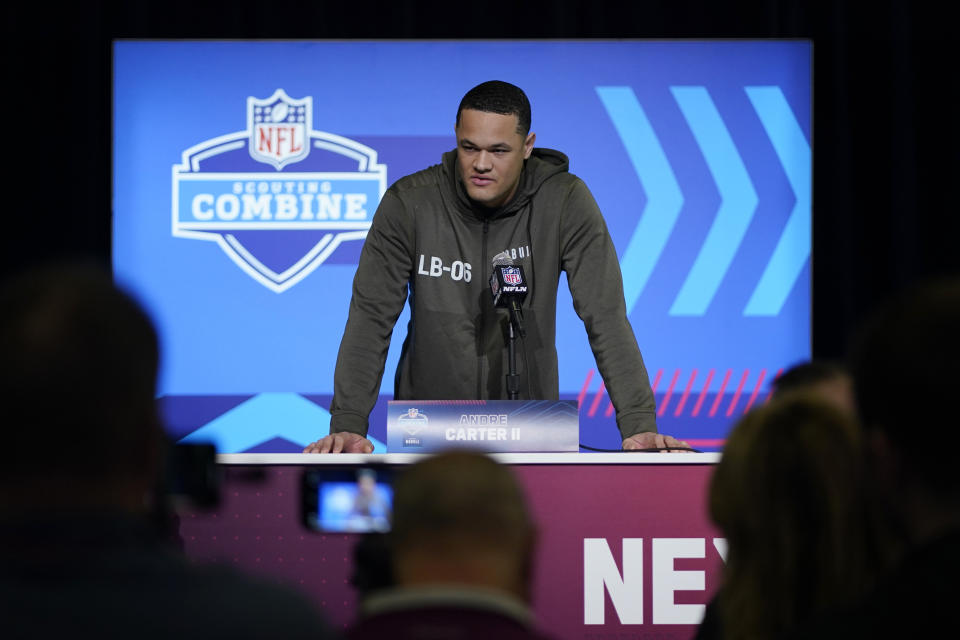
(788, 496)
(461, 517)
(79, 364)
(905, 368)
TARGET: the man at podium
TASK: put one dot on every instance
(495, 199)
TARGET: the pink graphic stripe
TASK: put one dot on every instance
(583, 391)
(696, 444)
(609, 411)
(656, 381)
(723, 386)
(686, 392)
(596, 401)
(666, 398)
(756, 390)
(736, 395)
(770, 393)
(703, 394)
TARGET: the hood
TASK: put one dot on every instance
(542, 165)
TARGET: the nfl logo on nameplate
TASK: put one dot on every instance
(511, 275)
(413, 422)
(279, 198)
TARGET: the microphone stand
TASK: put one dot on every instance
(513, 379)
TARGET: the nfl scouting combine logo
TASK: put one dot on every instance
(276, 224)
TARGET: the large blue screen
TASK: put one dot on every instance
(246, 175)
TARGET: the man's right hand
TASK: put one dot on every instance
(342, 442)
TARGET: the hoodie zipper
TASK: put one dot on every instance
(483, 316)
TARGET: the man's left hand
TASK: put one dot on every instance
(651, 440)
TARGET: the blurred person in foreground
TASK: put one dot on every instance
(905, 374)
(462, 546)
(789, 498)
(80, 551)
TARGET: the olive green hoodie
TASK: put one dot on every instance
(431, 244)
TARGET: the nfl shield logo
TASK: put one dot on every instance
(278, 128)
(511, 275)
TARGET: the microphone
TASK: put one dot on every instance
(508, 286)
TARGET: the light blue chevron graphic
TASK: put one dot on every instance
(738, 201)
(664, 199)
(264, 417)
(793, 248)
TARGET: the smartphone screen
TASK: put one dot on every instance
(348, 499)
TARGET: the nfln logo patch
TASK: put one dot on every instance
(279, 198)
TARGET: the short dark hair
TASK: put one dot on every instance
(459, 499)
(496, 96)
(78, 367)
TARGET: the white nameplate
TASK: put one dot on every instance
(496, 426)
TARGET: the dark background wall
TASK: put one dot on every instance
(885, 121)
